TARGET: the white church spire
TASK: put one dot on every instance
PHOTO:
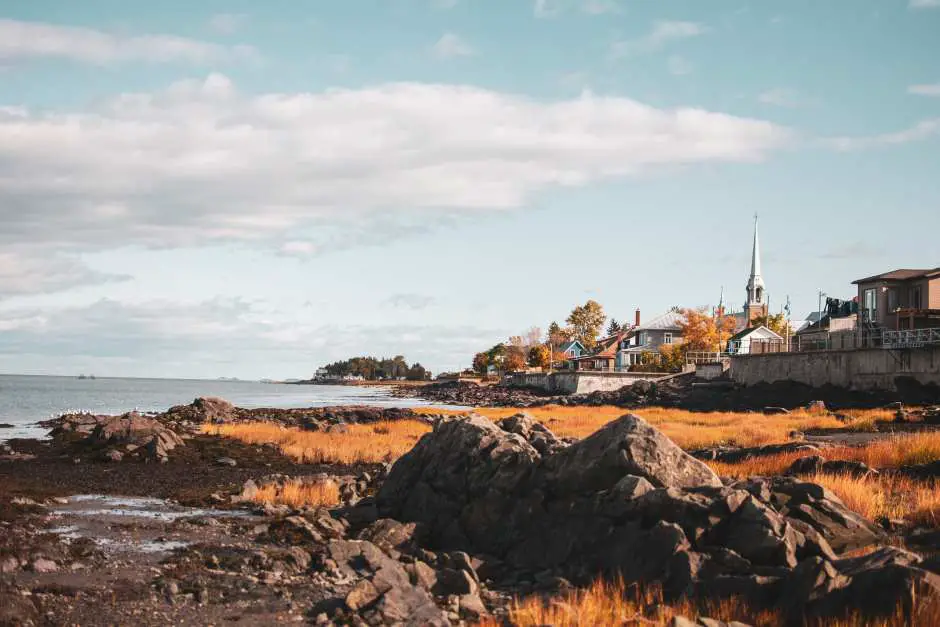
(755, 283)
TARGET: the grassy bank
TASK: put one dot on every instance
(692, 430)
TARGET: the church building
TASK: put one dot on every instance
(756, 305)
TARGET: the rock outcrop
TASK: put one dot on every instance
(628, 502)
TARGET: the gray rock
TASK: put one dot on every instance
(631, 487)
(226, 461)
(809, 465)
(626, 446)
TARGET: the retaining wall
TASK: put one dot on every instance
(580, 382)
(865, 369)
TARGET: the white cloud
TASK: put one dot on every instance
(201, 164)
(227, 23)
(924, 90)
(545, 9)
(217, 337)
(451, 45)
(919, 132)
(924, 4)
(679, 66)
(662, 34)
(601, 7)
(781, 97)
(27, 40)
(410, 301)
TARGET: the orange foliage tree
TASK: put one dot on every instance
(703, 332)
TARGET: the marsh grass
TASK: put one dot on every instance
(298, 494)
(375, 443)
(692, 430)
(613, 603)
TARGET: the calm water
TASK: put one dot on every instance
(24, 400)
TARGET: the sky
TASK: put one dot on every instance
(243, 189)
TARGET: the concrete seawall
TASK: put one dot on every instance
(863, 370)
(580, 382)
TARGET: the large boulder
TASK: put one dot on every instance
(627, 502)
(626, 446)
(461, 480)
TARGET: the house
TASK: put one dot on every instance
(900, 299)
(647, 338)
(756, 340)
(832, 328)
(605, 355)
(572, 349)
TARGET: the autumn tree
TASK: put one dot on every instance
(614, 327)
(703, 332)
(480, 363)
(515, 358)
(586, 322)
(775, 322)
(539, 356)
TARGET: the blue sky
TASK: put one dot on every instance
(242, 189)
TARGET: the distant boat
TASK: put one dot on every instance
(81, 376)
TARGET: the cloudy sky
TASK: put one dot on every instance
(252, 189)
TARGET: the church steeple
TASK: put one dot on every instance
(756, 304)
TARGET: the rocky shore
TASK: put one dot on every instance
(476, 514)
(680, 392)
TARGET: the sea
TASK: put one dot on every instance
(25, 400)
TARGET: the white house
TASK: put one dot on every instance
(755, 340)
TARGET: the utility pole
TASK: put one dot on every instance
(819, 308)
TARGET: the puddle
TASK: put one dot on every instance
(142, 525)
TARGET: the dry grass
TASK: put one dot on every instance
(606, 603)
(373, 443)
(903, 450)
(615, 604)
(692, 430)
(886, 496)
(298, 494)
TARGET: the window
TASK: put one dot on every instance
(892, 299)
(915, 297)
(871, 302)
(667, 338)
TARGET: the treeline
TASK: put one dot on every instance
(533, 348)
(373, 368)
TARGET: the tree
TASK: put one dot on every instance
(614, 328)
(557, 336)
(480, 363)
(515, 359)
(704, 332)
(533, 336)
(496, 357)
(417, 373)
(671, 357)
(539, 356)
(586, 322)
(776, 323)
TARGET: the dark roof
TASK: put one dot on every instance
(564, 347)
(902, 274)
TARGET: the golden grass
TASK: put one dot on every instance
(691, 430)
(298, 494)
(608, 604)
(613, 603)
(902, 450)
(886, 496)
(373, 443)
